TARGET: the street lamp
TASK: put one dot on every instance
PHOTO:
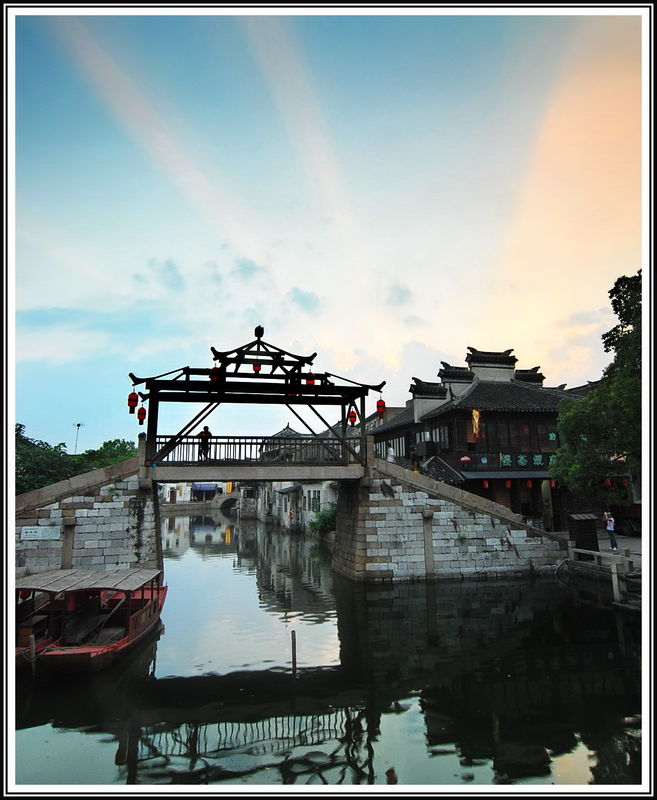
(78, 425)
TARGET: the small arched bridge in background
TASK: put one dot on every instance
(262, 374)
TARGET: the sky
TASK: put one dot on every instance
(385, 189)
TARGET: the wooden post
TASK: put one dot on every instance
(294, 654)
(614, 581)
(151, 429)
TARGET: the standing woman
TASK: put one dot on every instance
(611, 527)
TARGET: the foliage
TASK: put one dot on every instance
(324, 521)
(600, 434)
(39, 464)
(108, 453)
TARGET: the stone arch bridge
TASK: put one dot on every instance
(392, 524)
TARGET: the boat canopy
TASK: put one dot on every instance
(75, 580)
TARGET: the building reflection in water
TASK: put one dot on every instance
(508, 675)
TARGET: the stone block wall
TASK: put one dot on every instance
(390, 531)
(111, 526)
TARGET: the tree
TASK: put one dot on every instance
(108, 453)
(600, 434)
(39, 464)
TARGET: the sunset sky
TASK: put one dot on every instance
(384, 189)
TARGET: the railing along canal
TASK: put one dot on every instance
(254, 449)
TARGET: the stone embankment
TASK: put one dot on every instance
(99, 520)
(397, 525)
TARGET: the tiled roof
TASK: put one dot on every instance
(402, 419)
(583, 390)
(450, 373)
(529, 375)
(427, 389)
(501, 358)
(289, 433)
(503, 396)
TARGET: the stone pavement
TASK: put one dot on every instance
(631, 543)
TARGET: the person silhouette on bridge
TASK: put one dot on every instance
(204, 443)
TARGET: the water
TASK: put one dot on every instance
(450, 684)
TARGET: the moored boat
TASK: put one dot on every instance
(81, 621)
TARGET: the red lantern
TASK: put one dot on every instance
(507, 484)
(133, 399)
(626, 483)
(529, 483)
(310, 379)
(553, 484)
(484, 483)
(465, 460)
(608, 483)
(352, 417)
(256, 367)
(141, 415)
(380, 407)
(215, 374)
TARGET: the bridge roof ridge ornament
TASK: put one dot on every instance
(258, 346)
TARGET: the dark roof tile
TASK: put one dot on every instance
(503, 396)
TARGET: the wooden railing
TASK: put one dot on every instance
(254, 449)
(617, 563)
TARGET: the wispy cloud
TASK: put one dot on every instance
(132, 109)
(306, 301)
(246, 269)
(280, 56)
(167, 274)
(398, 295)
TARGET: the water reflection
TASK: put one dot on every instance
(435, 684)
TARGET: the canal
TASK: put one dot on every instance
(271, 670)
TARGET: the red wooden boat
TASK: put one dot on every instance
(74, 620)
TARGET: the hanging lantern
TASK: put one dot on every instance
(141, 415)
(133, 399)
(484, 483)
(215, 374)
(608, 483)
(465, 460)
(553, 484)
(380, 407)
(310, 379)
(256, 368)
(529, 483)
(626, 483)
(507, 484)
(352, 417)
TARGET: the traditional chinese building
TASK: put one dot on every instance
(488, 428)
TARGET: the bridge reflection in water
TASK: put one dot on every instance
(507, 682)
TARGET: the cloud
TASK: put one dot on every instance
(398, 294)
(210, 194)
(306, 301)
(59, 345)
(213, 272)
(167, 274)
(246, 268)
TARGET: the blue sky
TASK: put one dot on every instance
(383, 189)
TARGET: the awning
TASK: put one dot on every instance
(204, 487)
(507, 474)
(75, 580)
(290, 489)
